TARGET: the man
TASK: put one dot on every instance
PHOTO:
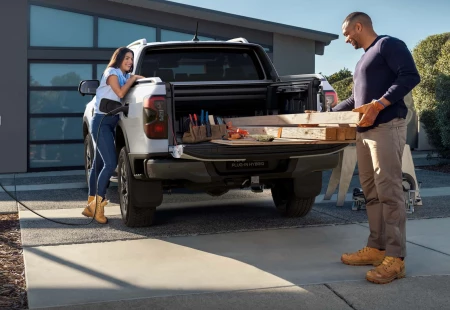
(384, 75)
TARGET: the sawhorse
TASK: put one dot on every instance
(342, 175)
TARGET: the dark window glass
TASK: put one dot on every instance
(56, 155)
(56, 101)
(100, 69)
(168, 35)
(56, 128)
(202, 64)
(114, 33)
(45, 74)
(57, 28)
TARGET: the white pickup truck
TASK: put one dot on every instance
(225, 78)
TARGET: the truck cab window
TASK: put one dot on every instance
(201, 64)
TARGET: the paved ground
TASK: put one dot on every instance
(234, 251)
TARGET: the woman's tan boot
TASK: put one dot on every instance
(86, 212)
(98, 204)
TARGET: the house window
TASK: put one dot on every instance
(100, 69)
(56, 114)
(57, 28)
(114, 34)
(168, 35)
(56, 155)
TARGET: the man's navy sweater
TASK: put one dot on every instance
(387, 70)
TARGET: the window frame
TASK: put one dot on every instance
(30, 115)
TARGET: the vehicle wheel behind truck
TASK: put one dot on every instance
(88, 156)
(289, 205)
(138, 199)
(296, 197)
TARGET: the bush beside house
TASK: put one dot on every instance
(432, 95)
(343, 88)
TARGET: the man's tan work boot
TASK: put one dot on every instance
(100, 204)
(390, 269)
(365, 256)
(86, 212)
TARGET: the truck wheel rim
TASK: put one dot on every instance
(124, 190)
(88, 158)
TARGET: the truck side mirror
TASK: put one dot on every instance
(88, 87)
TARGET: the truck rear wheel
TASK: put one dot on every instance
(134, 213)
(288, 204)
(88, 156)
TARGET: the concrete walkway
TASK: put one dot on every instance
(286, 268)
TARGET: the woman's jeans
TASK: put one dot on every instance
(105, 159)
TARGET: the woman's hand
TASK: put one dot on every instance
(137, 77)
(113, 81)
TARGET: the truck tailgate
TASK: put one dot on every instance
(277, 149)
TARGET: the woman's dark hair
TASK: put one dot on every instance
(118, 57)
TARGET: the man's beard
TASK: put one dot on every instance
(355, 44)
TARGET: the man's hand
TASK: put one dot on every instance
(370, 112)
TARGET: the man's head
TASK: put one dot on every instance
(357, 29)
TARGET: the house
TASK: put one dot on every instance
(53, 44)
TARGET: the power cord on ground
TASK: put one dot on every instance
(96, 185)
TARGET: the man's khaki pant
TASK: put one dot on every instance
(379, 152)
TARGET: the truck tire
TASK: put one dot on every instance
(288, 204)
(133, 214)
(88, 156)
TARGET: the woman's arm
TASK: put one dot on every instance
(113, 81)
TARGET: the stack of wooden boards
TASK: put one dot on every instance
(302, 128)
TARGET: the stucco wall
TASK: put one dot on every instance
(13, 86)
(293, 55)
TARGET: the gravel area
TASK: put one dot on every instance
(445, 168)
(13, 294)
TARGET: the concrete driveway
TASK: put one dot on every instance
(235, 252)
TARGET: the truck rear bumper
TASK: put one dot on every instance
(204, 171)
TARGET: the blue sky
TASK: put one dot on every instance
(408, 20)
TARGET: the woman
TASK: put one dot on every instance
(114, 85)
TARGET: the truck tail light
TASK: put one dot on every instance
(155, 117)
(331, 98)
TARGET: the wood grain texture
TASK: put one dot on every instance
(297, 119)
(340, 133)
(350, 133)
(313, 133)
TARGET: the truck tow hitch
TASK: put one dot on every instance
(255, 186)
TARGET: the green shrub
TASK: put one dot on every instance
(338, 76)
(343, 88)
(426, 55)
(443, 94)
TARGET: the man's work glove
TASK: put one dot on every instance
(370, 112)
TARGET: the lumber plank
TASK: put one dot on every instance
(350, 133)
(297, 119)
(314, 133)
(311, 133)
(341, 133)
